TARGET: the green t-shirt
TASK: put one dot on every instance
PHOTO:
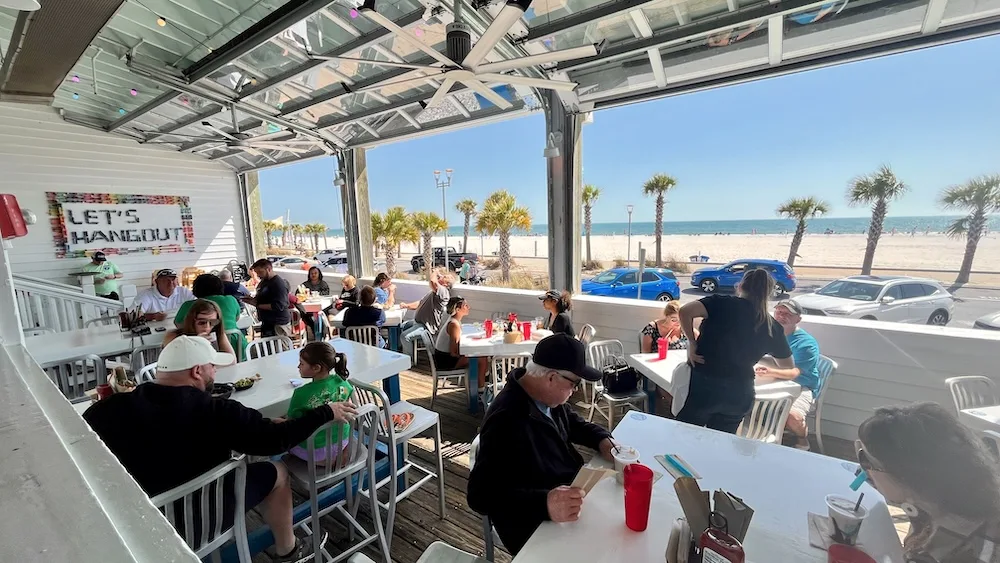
(316, 393)
(228, 304)
(103, 287)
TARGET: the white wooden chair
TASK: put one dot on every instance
(367, 335)
(499, 368)
(766, 421)
(75, 376)
(827, 367)
(599, 355)
(37, 330)
(458, 375)
(356, 459)
(972, 391)
(207, 491)
(267, 347)
(145, 374)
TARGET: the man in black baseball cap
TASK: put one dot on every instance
(526, 456)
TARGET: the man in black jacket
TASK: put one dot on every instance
(171, 431)
(526, 456)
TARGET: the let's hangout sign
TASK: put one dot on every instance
(120, 224)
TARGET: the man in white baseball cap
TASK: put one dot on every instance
(170, 431)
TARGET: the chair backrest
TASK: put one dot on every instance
(587, 334)
(268, 347)
(362, 431)
(826, 368)
(202, 499)
(145, 374)
(75, 376)
(972, 391)
(502, 365)
(367, 394)
(100, 321)
(604, 352)
(36, 330)
(367, 335)
(252, 313)
(766, 422)
(992, 440)
(428, 348)
(143, 356)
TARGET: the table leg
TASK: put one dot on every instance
(391, 387)
(394, 338)
(472, 384)
(651, 394)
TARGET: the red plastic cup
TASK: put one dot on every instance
(488, 327)
(840, 553)
(104, 391)
(526, 330)
(638, 491)
(661, 347)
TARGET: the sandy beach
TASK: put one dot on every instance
(932, 251)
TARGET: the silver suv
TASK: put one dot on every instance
(883, 298)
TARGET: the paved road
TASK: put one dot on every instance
(973, 302)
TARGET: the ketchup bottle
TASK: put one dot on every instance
(717, 546)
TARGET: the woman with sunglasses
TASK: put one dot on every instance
(921, 458)
(446, 344)
(204, 319)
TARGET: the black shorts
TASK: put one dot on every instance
(261, 477)
(444, 360)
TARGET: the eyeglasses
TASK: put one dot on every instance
(866, 460)
(576, 382)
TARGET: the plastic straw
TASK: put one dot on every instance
(858, 505)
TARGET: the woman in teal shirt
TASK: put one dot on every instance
(210, 288)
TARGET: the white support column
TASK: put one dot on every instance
(933, 15)
(10, 329)
(775, 36)
(565, 195)
(353, 166)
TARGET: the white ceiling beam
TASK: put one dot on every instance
(731, 4)
(369, 128)
(641, 23)
(932, 18)
(775, 37)
(656, 61)
(341, 22)
(458, 105)
(681, 14)
(409, 118)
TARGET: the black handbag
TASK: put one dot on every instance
(618, 377)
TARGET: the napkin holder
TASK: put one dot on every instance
(512, 337)
(133, 322)
(698, 507)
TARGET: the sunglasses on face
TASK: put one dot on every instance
(210, 322)
(866, 460)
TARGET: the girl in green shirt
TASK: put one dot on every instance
(316, 362)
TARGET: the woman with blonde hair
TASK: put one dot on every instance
(351, 295)
(736, 331)
(922, 459)
(668, 326)
(204, 319)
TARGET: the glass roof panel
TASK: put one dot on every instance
(959, 11)
(613, 29)
(545, 11)
(841, 24)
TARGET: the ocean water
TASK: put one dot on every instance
(847, 225)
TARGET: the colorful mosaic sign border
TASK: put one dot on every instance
(58, 224)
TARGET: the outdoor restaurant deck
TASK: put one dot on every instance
(417, 523)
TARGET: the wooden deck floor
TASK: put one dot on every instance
(417, 522)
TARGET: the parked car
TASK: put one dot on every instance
(884, 298)
(327, 253)
(658, 284)
(275, 259)
(989, 322)
(293, 263)
(726, 277)
(455, 259)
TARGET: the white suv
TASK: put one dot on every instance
(883, 298)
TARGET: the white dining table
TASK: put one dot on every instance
(661, 373)
(103, 341)
(981, 418)
(782, 485)
(475, 346)
(272, 393)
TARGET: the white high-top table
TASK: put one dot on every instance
(781, 484)
(273, 392)
(103, 341)
(981, 418)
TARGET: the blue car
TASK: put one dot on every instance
(711, 280)
(658, 284)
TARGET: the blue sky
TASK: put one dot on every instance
(737, 152)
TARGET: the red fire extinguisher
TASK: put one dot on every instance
(717, 546)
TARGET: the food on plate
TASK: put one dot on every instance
(246, 382)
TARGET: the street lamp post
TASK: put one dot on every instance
(628, 253)
(444, 185)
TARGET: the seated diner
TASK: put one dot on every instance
(204, 319)
(385, 290)
(558, 305)
(668, 326)
(446, 343)
(165, 295)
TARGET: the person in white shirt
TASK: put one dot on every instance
(164, 296)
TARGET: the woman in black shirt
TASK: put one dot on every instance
(558, 305)
(736, 331)
(314, 282)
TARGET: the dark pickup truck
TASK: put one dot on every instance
(455, 259)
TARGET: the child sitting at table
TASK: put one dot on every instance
(327, 369)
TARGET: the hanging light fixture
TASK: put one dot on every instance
(22, 5)
(160, 21)
(76, 96)
(134, 92)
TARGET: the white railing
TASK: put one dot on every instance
(33, 279)
(44, 304)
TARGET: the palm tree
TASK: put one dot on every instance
(659, 185)
(397, 228)
(801, 209)
(876, 189)
(296, 230)
(590, 195)
(502, 215)
(314, 231)
(269, 228)
(429, 224)
(980, 197)
(466, 207)
(285, 229)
